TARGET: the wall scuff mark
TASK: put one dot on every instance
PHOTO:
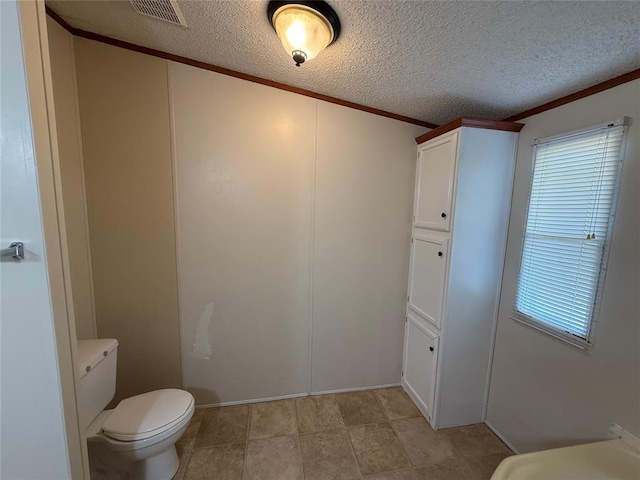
(202, 342)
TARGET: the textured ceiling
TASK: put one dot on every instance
(428, 60)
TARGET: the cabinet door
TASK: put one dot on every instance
(427, 279)
(420, 362)
(434, 182)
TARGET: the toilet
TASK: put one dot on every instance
(136, 440)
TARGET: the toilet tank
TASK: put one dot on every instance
(97, 361)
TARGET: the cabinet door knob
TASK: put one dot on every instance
(439, 254)
(431, 349)
(443, 215)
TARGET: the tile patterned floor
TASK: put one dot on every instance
(373, 434)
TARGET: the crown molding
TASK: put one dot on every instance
(470, 122)
(597, 88)
(232, 73)
(600, 87)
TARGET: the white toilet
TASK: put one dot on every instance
(136, 440)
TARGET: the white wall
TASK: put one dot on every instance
(282, 199)
(244, 159)
(545, 393)
(365, 170)
(126, 139)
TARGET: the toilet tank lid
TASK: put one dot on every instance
(92, 352)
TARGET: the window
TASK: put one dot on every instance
(569, 222)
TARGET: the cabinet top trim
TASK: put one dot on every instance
(470, 122)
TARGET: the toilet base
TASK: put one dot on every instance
(164, 465)
(106, 465)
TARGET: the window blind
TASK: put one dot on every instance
(573, 190)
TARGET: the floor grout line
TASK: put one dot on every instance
(187, 453)
(295, 410)
(384, 410)
(218, 445)
(388, 421)
(402, 445)
(386, 472)
(246, 444)
(353, 452)
(269, 438)
(295, 415)
(300, 457)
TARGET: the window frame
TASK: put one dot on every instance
(540, 325)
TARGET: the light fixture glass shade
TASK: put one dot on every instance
(303, 31)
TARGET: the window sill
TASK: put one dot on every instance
(552, 332)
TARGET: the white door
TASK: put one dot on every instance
(434, 182)
(37, 415)
(420, 362)
(427, 277)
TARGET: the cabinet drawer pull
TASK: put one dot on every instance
(443, 215)
(439, 254)
(431, 349)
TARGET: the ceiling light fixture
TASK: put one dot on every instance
(305, 28)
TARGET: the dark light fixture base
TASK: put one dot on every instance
(299, 57)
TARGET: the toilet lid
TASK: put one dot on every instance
(149, 414)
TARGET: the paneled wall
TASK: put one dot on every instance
(244, 162)
(545, 393)
(292, 218)
(65, 95)
(126, 137)
(363, 207)
(293, 229)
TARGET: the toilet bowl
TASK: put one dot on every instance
(136, 440)
(138, 437)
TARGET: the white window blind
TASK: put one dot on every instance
(573, 192)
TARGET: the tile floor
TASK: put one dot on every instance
(377, 434)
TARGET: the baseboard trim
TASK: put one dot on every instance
(253, 400)
(294, 395)
(501, 437)
(355, 389)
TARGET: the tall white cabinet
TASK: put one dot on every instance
(464, 178)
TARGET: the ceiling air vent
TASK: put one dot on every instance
(166, 10)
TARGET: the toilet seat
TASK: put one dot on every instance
(147, 415)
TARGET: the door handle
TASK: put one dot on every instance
(431, 349)
(15, 251)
